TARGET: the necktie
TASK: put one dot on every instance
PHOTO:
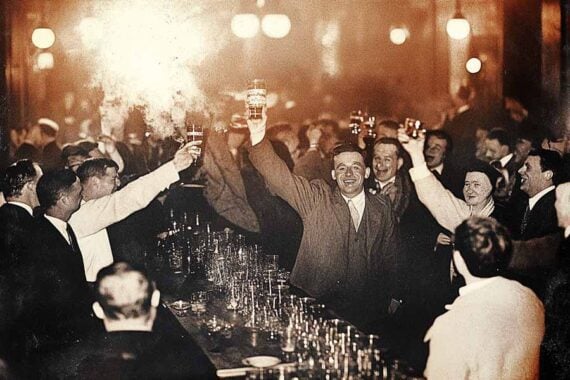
(72, 239)
(524, 221)
(354, 214)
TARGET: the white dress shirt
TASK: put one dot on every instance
(534, 200)
(24, 206)
(61, 227)
(505, 160)
(359, 202)
(383, 184)
(93, 217)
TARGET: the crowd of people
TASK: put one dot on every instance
(452, 244)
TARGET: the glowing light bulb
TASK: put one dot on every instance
(398, 35)
(45, 60)
(276, 25)
(473, 65)
(43, 38)
(458, 28)
(245, 25)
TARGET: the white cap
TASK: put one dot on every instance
(49, 122)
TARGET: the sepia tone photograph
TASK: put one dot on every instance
(284, 189)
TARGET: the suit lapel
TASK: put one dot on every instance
(372, 223)
(342, 213)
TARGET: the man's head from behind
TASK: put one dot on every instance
(349, 170)
(498, 144)
(73, 156)
(59, 193)
(387, 128)
(125, 298)
(540, 171)
(482, 248)
(388, 158)
(20, 181)
(99, 177)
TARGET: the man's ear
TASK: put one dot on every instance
(98, 310)
(367, 172)
(155, 298)
(548, 174)
(400, 162)
(333, 175)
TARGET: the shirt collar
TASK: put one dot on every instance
(382, 184)
(438, 169)
(358, 201)
(476, 286)
(567, 232)
(22, 205)
(505, 160)
(463, 108)
(534, 200)
(60, 225)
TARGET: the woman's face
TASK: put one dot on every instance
(477, 188)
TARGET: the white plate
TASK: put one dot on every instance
(261, 361)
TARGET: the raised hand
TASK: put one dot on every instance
(187, 154)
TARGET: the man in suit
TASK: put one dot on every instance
(348, 250)
(539, 175)
(16, 221)
(555, 344)
(139, 343)
(389, 179)
(51, 153)
(57, 298)
(499, 152)
(437, 153)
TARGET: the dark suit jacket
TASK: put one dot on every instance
(57, 298)
(27, 150)
(541, 221)
(15, 235)
(325, 265)
(51, 157)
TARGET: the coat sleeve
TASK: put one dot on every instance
(299, 192)
(225, 188)
(100, 213)
(448, 210)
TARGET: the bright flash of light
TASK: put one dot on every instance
(43, 38)
(473, 65)
(148, 58)
(398, 35)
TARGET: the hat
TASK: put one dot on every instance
(483, 167)
(49, 122)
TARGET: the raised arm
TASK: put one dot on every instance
(100, 213)
(299, 192)
(225, 189)
(448, 210)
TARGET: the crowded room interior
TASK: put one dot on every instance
(285, 189)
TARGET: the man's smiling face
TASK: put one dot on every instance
(349, 173)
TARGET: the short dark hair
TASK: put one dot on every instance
(95, 167)
(388, 123)
(484, 245)
(503, 136)
(88, 146)
(549, 160)
(73, 150)
(123, 289)
(391, 141)
(17, 176)
(345, 147)
(53, 185)
(442, 135)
